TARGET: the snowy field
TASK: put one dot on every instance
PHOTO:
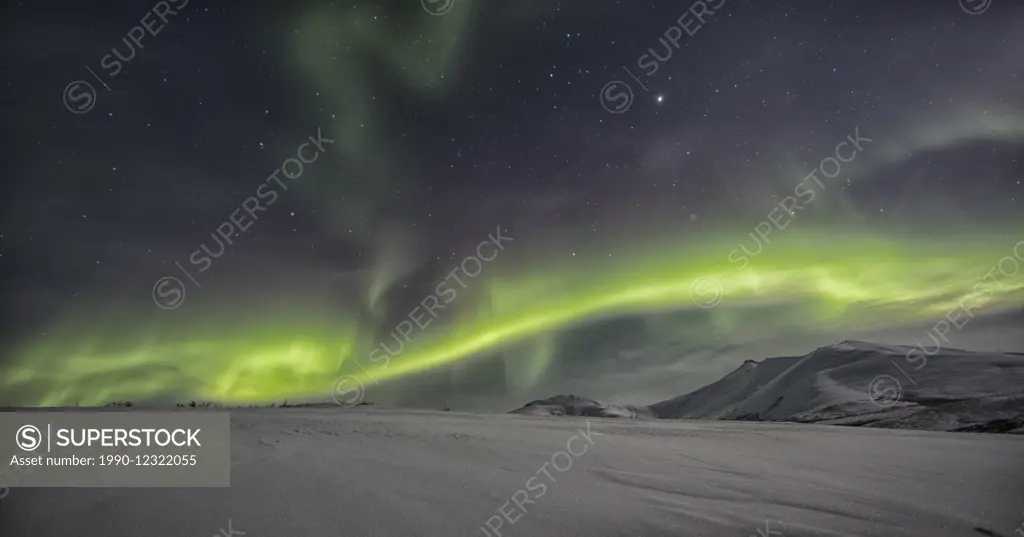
(301, 472)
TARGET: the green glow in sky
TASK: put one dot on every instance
(842, 282)
(830, 281)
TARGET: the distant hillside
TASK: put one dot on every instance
(571, 405)
(850, 383)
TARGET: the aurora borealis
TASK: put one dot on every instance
(861, 283)
(619, 279)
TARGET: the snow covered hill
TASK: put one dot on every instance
(858, 383)
(571, 405)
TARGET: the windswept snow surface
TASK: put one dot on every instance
(857, 383)
(310, 472)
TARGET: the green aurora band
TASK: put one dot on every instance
(839, 282)
(834, 282)
(344, 55)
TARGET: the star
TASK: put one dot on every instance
(659, 99)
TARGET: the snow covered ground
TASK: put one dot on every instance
(301, 472)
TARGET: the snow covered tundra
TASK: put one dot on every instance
(369, 471)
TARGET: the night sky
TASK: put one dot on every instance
(629, 179)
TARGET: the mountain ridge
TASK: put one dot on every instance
(847, 383)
